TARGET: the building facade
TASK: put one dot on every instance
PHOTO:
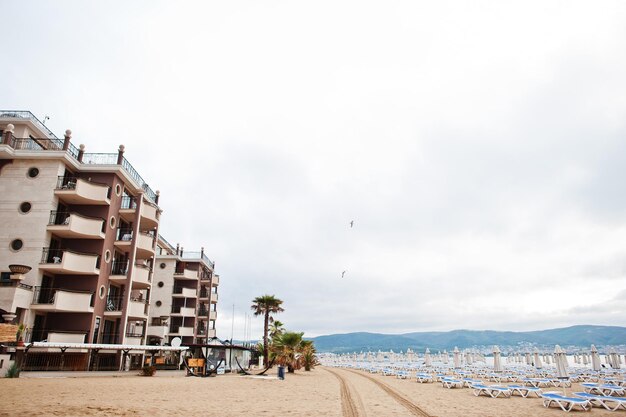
(185, 296)
(78, 242)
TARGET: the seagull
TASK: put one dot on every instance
(343, 273)
(351, 224)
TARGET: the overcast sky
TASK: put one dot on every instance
(479, 147)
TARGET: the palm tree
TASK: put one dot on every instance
(276, 329)
(265, 305)
(287, 348)
(307, 355)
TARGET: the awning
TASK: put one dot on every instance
(150, 348)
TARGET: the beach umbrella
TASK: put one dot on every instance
(614, 359)
(409, 355)
(585, 359)
(560, 359)
(427, 358)
(468, 358)
(457, 358)
(595, 359)
(538, 364)
(497, 366)
(527, 358)
(446, 357)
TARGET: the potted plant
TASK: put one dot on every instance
(19, 333)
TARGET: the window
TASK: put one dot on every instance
(25, 207)
(17, 244)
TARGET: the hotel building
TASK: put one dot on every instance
(185, 296)
(78, 242)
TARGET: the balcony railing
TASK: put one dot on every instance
(124, 234)
(38, 144)
(114, 303)
(26, 115)
(128, 203)
(119, 267)
(40, 335)
(111, 159)
(109, 338)
(196, 255)
(135, 333)
(55, 256)
(47, 295)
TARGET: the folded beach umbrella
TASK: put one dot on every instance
(468, 357)
(427, 359)
(561, 362)
(614, 359)
(585, 359)
(446, 357)
(527, 358)
(497, 366)
(538, 364)
(457, 357)
(595, 359)
(409, 355)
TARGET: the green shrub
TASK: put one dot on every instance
(13, 371)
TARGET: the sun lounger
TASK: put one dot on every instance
(492, 391)
(606, 401)
(422, 378)
(468, 382)
(525, 391)
(451, 383)
(566, 403)
(537, 382)
(561, 383)
(603, 389)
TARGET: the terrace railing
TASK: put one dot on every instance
(26, 115)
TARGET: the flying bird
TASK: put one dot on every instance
(351, 224)
(343, 273)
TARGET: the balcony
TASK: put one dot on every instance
(64, 261)
(215, 281)
(157, 331)
(62, 301)
(181, 331)
(66, 337)
(213, 315)
(124, 239)
(181, 292)
(138, 309)
(210, 333)
(145, 245)
(74, 190)
(204, 294)
(119, 270)
(214, 297)
(149, 216)
(186, 274)
(75, 226)
(15, 295)
(141, 276)
(183, 311)
(128, 209)
(134, 337)
(114, 305)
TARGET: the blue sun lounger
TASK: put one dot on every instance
(525, 391)
(566, 403)
(606, 401)
(451, 383)
(492, 391)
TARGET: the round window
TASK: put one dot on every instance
(107, 256)
(33, 172)
(118, 190)
(101, 292)
(158, 303)
(162, 265)
(25, 207)
(160, 284)
(112, 222)
(17, 244)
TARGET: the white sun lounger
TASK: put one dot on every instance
(606, 401)
(525, 391)
(566, 403)
(492, 391)
(603, 389)
(422, 378)
(451, 383)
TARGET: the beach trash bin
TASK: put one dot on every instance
(281, 372)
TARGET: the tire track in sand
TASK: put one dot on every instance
(349, 406)
(401, 399)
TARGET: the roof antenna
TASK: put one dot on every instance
(45, 118)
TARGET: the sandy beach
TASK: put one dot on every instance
(324, 391)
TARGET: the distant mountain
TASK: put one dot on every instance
(567, 336)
